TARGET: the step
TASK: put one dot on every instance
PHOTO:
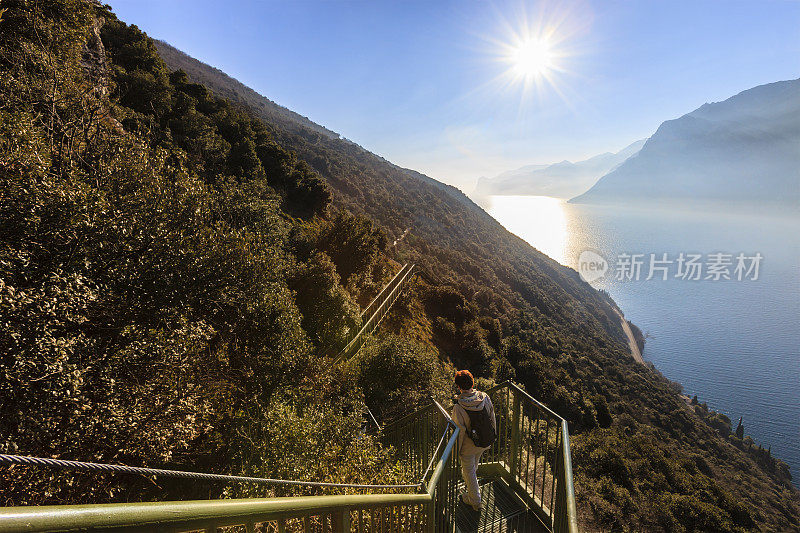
(501, 511)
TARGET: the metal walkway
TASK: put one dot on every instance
(501, 511)
(526, 473)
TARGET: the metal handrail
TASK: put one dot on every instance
(443, 411)
(189, 514)
(384, 289)
(532, 458)
(374, 420)
(570, 516)
(519, 389)
(450, 423)
(374, 320)
(448, 450)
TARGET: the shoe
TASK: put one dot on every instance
(475, 508)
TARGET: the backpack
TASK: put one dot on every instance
(481, 431)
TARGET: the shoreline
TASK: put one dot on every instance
(634, 347)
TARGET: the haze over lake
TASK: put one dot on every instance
(733, 343)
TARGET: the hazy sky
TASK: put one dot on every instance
(429, 84)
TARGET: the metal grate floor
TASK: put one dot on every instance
(500, 512)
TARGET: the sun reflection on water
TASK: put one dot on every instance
(539, 220)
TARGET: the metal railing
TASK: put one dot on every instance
(376, 310)
(531, 455)
(364, 512)
(428, 441)
(428, 510)
(370, 308)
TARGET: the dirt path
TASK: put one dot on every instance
(635, 352)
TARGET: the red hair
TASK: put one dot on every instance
(464, 379)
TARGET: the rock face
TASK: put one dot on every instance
(93, 60)
(743, 150)
(559, 180)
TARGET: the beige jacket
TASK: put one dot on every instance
(472, 400)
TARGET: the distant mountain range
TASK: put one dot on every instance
(560, 180)
(743, 150)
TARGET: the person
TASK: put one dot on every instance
(479, 405)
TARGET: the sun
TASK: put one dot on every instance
(531, 58)
(534, 51)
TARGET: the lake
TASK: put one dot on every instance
(733, 342)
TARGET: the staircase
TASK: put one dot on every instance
(525, 479)
(374, 313)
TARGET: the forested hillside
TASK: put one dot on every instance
(178, 255)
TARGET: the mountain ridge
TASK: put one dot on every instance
(741, 150)
(220, 82)
(563, 179)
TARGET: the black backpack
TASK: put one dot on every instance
(481, 431)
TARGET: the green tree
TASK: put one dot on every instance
(398, 376)
(352, 243)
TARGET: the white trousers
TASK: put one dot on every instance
(469, 471)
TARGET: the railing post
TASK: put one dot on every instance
(430, 526)
(341, 520)
(425, 436)
(512, 453)
(560, 510)
(565, 516)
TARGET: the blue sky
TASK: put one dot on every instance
(426, 84)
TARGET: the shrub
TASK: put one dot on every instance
(398, 375)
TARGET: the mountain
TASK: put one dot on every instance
(560, 180)
(179, 254)
(744, 150)
(444, 222)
